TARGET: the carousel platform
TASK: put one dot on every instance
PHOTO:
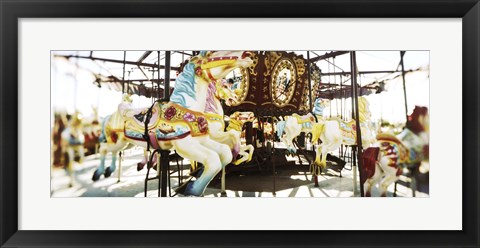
(293, 180)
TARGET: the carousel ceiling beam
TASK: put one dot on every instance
(117, 61)
(184, 53)
(143, 72)
(328, 55)
(144, 56)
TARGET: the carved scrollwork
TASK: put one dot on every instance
(270, 61)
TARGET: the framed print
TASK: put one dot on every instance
(115, 116)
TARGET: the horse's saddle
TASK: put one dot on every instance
(139, 117)
(391, 144)
(169, 121)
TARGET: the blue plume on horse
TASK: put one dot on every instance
(185, 86)
(280, 128)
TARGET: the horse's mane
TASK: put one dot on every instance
(318, 107)
(363, 109)
(413, 123)
(184, 86)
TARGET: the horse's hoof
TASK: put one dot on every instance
(140, 166)
(108, 172)
(70, 185)
(368, 194)
(223, 194)
(182, 188)
(96, 176)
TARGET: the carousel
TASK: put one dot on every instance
(240, 124)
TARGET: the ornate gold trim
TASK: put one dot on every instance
(283, 63)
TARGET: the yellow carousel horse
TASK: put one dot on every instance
(334, 132)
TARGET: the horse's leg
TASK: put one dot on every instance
(390, 176)
(250, 152)
(377, 176)
(101, 167)
(318, 154)
(387, 180)
(113, 165)
(244, 156)
(69, 165)
(114, 149)
(81, 153)
(144, 161)
(225, 156)
(193, 150)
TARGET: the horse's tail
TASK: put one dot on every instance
(317, 130)
(369, 158)
(103, 135)
(280, 128)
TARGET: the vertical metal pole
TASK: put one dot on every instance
(309, 82)
(402, 53)
(123, 78)
(158, 76)
(165, 168)
(357, 121)
(119, 166)
(166, 83)
(273, 160)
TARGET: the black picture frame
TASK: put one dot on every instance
(11, 11)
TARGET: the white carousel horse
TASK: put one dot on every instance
(231, 137)
(293, 125)
(384, 162)
(72, 142)
(334, 132)
(237, 120)
(179, 124)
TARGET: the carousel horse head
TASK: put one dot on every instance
(223, 92)
(198, 78)
(214, 65)
(419, 120)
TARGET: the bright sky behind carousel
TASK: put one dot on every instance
(73, 85)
